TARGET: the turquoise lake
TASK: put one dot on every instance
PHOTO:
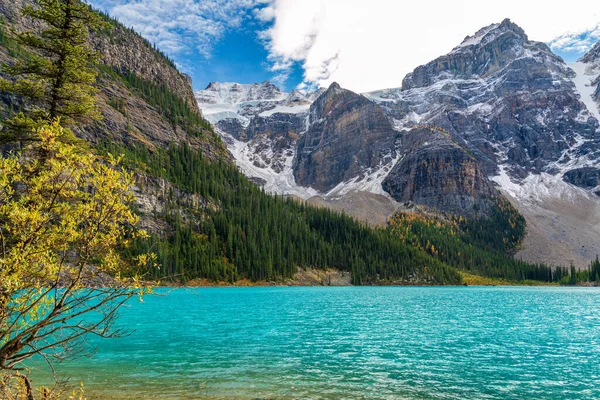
(351, 343)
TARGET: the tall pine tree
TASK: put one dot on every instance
(57, 78)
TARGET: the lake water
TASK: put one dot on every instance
(352, 343)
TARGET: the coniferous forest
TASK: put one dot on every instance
(251, 234)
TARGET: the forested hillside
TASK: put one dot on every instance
(477, 246)
(247, 233)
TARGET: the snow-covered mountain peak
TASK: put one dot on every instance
(222, 101)
(296, 96)
(233, 92)
(496, 49)
(490, 33)
(303, 97)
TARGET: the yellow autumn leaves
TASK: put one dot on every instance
(63, 215)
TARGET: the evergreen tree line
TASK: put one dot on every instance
(502, 230)
(250, 234)
(591, 274)
(476, 246)
(594, 270)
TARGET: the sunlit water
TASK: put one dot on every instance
(352, 343)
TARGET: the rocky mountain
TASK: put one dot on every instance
(434, 171)
(500, 113)
(510, 100)
(261, 126)
(347, 136)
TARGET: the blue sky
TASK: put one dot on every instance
(238, 57)
(211, 40)
(362, 44)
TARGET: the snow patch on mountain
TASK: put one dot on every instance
(218, 112)
(477, 37)
(583, 83)
(284, 109)
(537, 188)
(370, 182)
(282, 183)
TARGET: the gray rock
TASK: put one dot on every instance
(586, 177)
(436, 172)
(347, 135)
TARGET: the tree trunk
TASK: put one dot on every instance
(28, 388)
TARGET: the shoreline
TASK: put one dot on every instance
(335, 278)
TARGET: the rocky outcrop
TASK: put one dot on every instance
(155, 196)
(585, 177)
(127, 51)
(592, 56)
(347, 134)
(436, 172)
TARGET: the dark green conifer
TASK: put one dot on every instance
(57, 78)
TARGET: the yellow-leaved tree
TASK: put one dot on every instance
(62, 217)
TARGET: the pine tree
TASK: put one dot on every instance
(573, 275)
(57, 78)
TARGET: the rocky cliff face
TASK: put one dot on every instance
(348, 135)
(127, 51)
(592, 56)
(120, 48)
(436, 172)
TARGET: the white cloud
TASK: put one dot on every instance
(371, 44)
(576, 42)
(179, 26)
